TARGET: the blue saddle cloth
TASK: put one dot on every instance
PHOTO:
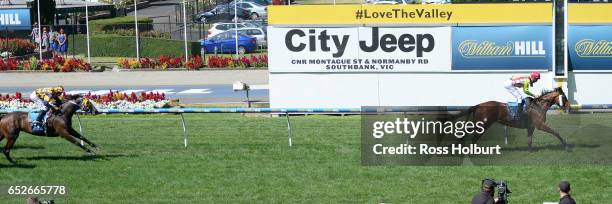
(516, 112)
(37, 128)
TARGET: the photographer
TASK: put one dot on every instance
(486, 194)
(564, 189)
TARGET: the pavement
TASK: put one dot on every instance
(214, 86)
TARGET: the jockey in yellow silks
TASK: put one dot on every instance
(47, 98)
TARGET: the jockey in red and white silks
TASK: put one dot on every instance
(517, 85)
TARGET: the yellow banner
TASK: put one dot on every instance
(410, 14)
(590, 13)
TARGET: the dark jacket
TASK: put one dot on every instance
(483, 198)
(567, 200)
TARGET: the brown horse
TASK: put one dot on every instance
(57, 125)
(492, 111)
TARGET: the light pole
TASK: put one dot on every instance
(87, 27)
(236, 25)
(39, 31)
(185, 27)
(136, 29)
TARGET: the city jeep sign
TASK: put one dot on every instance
(359, 49)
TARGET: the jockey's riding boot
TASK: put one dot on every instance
(41, 116)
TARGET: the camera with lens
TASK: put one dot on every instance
(47, 202)
(502, 189)
(35, 200)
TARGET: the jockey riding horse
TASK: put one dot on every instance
(49, 99)
(515, 85)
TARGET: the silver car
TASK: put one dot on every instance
(257, 11)
(258, 33)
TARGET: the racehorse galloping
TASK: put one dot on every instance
(58, 125)
(492, 111)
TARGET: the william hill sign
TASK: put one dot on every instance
(15, 19)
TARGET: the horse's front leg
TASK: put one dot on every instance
(72, 139)
(530, 130)
(545, 128)
(81, 137)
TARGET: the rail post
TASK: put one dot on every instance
(80, 127)
(505, 134)
(289, 132)
(184, 130)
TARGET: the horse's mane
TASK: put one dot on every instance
(69, 97)
(548, 91)
(545, 91)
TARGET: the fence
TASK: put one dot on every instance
(107, 42)
(297, 111)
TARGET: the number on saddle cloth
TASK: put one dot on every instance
(513, 111)
(32, 116)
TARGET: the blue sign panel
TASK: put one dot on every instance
(502, 48)
(590, 47)
(15, 19)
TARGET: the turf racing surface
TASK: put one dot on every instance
(233, 158)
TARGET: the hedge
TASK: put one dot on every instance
(119, 46)
(123, 22)
(120, 20)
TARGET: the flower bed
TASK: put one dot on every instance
(163, 62)
(16, 104)
(111, 100)
(16, 47)
(242, 62)
(15, 101)
(124, 101)
(194, 62)
(56, 64)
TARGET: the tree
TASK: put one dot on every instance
(47, 11)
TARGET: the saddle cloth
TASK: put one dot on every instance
(37, 128)
(516, 112)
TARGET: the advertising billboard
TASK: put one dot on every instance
(502, 48)
(15, 19)
(359, 49)
(590, 47)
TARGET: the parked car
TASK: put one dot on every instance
(260, 2)
(221, 13)
(258, 33)
(226, 43)
(217, 28)
(255, 23)
(257, 10)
